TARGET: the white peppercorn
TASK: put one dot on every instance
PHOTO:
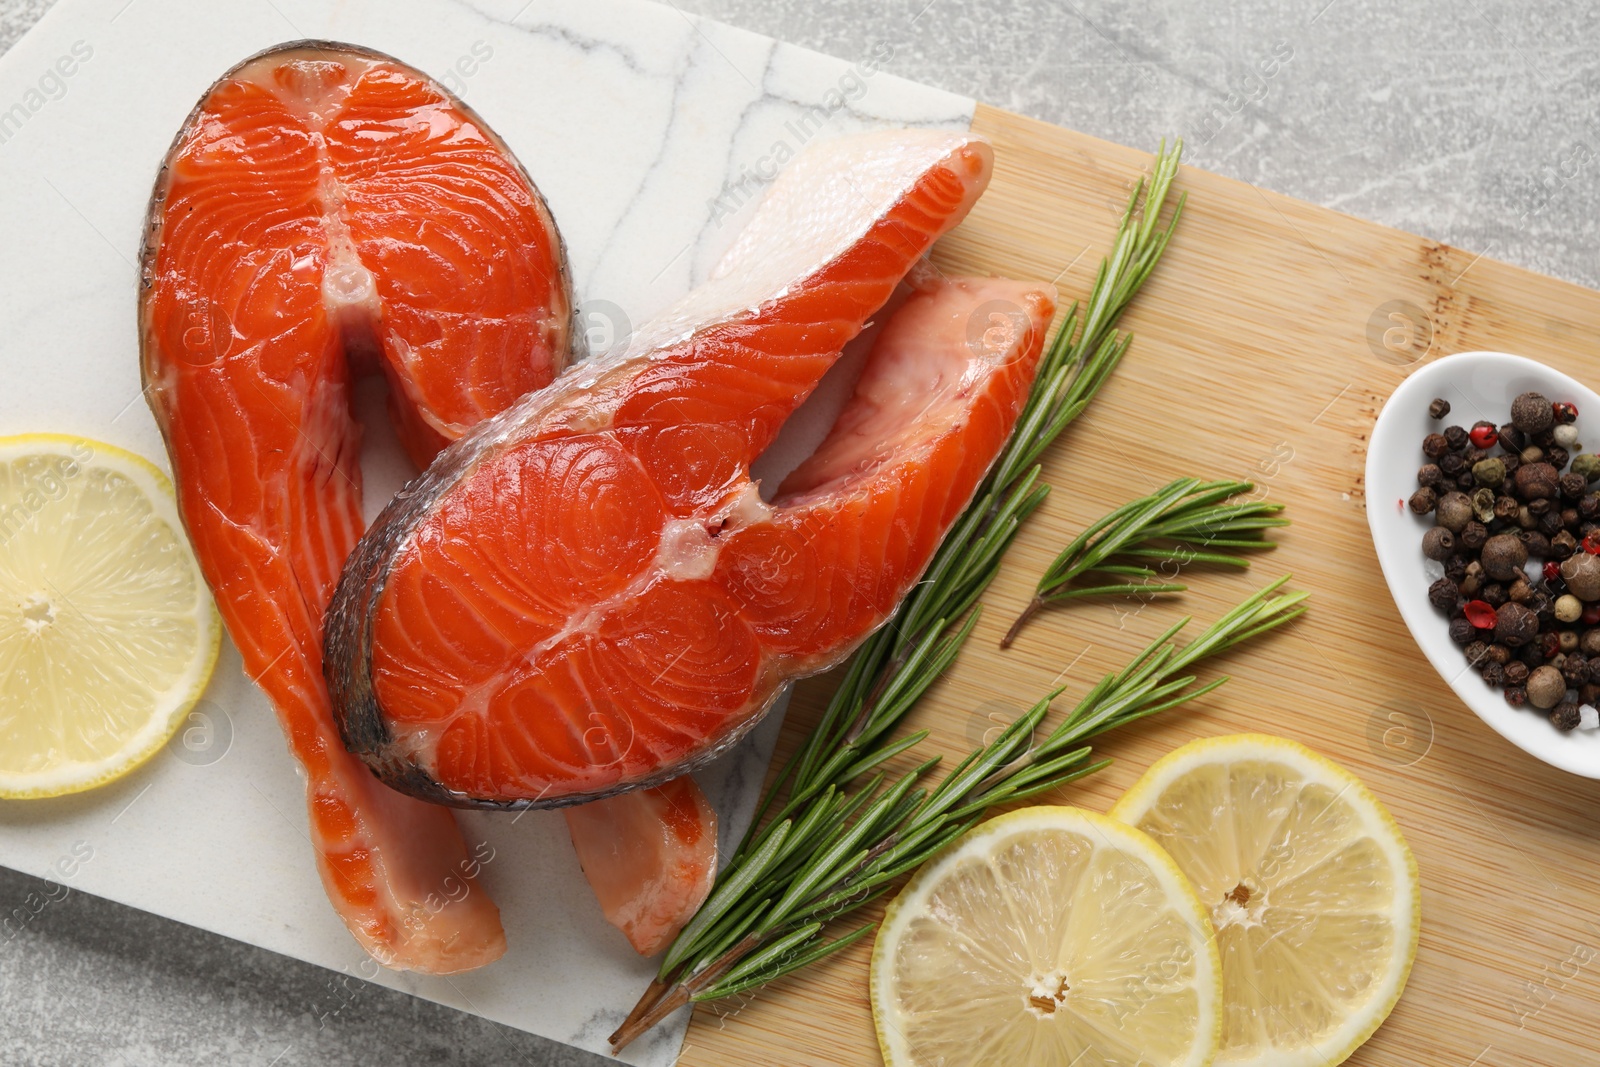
(1568, 608)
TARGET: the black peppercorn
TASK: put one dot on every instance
(1444, 595)
(1456, 438)
(1474, 535)
(1453, 511)
(1539, 507)
(1549, 523)
(1516, 695)
(1562, 545)
(1503, 557)
(1465, 481)
(1430, 475)
(1534, 481)
(1556, 456)
(1452, 464)
(1462, 631)
(1438, 543)
(1506, 508)
(1545, 440)
(1494, 594)
(1512, 461)
(1535, 542)
(1531, 413)
(1572, 486)
(1434, 446)
(1516, 672)
(1565, 716)
(1455, 567)
(1423, 500)
(1500, 653)
(1511, 438)
(1438, 408)
(1477, 653)
(1576, 669)
(1514, 624)
(1494, 675)
(1569, 518)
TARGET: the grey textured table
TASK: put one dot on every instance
(1451, 120)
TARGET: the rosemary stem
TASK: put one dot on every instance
(1022, 620)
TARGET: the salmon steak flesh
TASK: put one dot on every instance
(326, 212)
(590, 594)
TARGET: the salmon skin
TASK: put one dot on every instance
(327, 211)
(588, 594)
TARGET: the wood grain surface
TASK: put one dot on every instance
(1264, 346)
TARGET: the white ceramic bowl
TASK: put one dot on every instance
(1478, 385)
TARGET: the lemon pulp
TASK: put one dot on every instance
(108, 634)
(1310, 887)
(1049, 936)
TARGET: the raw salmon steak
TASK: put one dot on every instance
(325, 212)
(588, 594)
(650, 856)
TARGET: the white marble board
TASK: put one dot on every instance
(649, 131)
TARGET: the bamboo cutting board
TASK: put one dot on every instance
(1265, 345)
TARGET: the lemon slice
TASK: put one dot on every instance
(1312, 891)
(1048, 937)
(108, 634)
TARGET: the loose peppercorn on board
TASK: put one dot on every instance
(1265, 344)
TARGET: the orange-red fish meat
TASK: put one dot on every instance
(325, 212)
(588, 594)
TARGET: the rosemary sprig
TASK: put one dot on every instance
(765, 919)
(1183, 514)
(818, 848)
(896, 665)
